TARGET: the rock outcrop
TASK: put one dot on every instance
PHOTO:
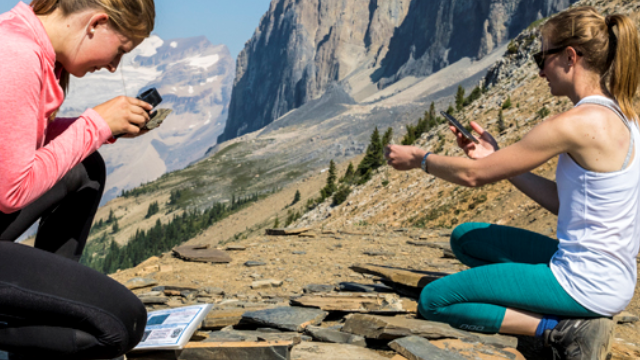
(301, 48)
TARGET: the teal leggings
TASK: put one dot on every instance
(510, 269)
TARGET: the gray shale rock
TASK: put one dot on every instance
(327, 351)
(286, 318)
(391, 328)
(417, 348)
(334, 336)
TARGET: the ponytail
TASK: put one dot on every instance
(624, 75)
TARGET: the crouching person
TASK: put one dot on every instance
(51, 307)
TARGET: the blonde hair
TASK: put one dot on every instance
(134, 19)
(609, 46)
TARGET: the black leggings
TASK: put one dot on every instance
(51, 306)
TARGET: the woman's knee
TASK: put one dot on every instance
(430, 302)
(460, 236)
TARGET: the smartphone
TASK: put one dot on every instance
(459, 126)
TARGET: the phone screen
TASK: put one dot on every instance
(459, 126)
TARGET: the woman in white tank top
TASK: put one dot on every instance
(589, 274)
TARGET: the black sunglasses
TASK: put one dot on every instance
(540, 57)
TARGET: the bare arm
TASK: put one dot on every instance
(541, 190)
(488, 165)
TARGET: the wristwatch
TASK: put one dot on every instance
(424, 162)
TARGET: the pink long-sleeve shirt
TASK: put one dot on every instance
(36, 153)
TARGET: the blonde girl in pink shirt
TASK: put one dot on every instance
(51, 306)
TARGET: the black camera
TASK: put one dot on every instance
(151, 96)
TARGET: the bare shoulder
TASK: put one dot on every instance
(582, 121)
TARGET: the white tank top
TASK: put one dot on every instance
(599, 228)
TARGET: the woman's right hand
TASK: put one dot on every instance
(486, 147)
(124, 115)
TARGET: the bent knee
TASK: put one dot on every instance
(429, 303)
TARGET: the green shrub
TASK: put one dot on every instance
(341, 195)
(507, 103)
(543, 113)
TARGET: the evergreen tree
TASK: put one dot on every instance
(475, 94)
(296, 197)
(115, 228)
(341, 195)
(111, 217)
(451, 110)
(410, 137)
(331, 186)
(276, 223)
(153, 209)
(374, 157)
(386, 138)
(432, 111)
(460, 98)
(349, 174)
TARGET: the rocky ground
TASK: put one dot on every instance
(275, 271)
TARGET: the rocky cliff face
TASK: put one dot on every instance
(302, 47)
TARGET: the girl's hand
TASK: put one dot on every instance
(404, 157)
(125, 115)
(486, 147)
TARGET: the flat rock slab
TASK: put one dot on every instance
(154, 300)
(201, 253)
(218, 319)
(379, 253)
(391, 328)
(273, 350)
(173, 288)
(356, 233)
(286, 318)
(139, 283)
(252, 336)
(402, 276)
(254, 263)
(417, 348)
(285, 232)
(317, 288)
(358, 303)
(235, 248)
(367, 288)
(264, 284)
(479, 351)
(326, 351)
(335, 336)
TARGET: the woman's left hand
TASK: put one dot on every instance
(404, 158)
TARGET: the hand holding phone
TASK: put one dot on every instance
(459, 126)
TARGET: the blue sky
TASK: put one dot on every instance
(229, 22)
